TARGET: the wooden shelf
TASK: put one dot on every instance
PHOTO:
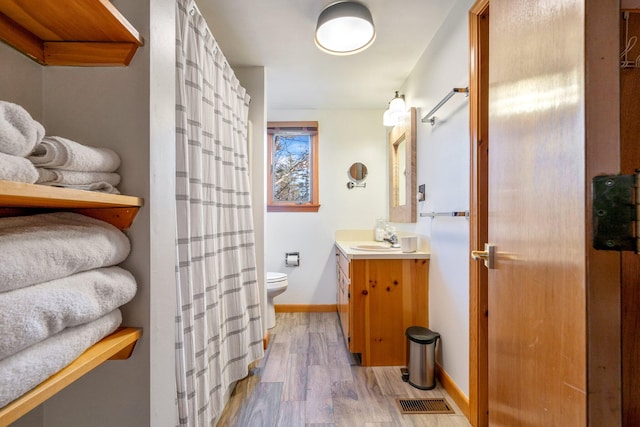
(117, 346)
(19, 199)
(69, 32)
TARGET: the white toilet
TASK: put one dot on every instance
(276, 284)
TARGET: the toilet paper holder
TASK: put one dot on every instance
(292, 259)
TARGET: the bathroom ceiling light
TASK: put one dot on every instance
(345, 28)
(397, 108)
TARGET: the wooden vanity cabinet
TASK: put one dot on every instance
(378, 299)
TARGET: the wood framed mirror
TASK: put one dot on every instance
(402, 169)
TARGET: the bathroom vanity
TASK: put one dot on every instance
(380, 294)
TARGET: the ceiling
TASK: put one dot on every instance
(278, 34)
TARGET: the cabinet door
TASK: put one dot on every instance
(396, 298)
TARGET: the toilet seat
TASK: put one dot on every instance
(274, 278)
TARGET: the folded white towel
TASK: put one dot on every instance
(101, 187)
(59, 176)
(19, 133)
(55, 152)
(43, 247)
(25, 370)
(32, 314)
(19, 169)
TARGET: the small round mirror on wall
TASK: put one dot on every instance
(357, 174)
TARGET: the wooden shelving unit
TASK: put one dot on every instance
(23, 199)
(116, 346)
(69, 32)
(19, 199)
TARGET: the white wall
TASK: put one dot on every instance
(443, 166)
(345, 137)
(131, 110)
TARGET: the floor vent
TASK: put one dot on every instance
(425, 406)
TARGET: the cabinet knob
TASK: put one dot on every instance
(365, 292)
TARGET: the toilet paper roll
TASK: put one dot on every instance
(292, 260)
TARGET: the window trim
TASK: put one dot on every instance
(312, 206)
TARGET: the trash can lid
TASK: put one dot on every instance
(421, 335)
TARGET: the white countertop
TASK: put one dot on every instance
(347, 248)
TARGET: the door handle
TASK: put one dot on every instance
(488, 255)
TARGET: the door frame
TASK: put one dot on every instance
(478, 216)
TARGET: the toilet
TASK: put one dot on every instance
(276, 284)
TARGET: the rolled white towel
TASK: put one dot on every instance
(55, 152)
(23, 371)
(18, 169)
(59, 176)
(43, 247)
(32, 314)
(19, 133)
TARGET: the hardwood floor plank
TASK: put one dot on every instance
(318, 382)
(299, 341)
(340, 364)
(332, 329)
(366, 383)
(316, 322)
(319, 410)
(319, 404)
(276, 365)
(344, 389)
(295, 384)
(292, 413)
(317, 349)
(263, 406)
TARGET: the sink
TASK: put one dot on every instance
(376, 247)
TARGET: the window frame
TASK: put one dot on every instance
(306, 128)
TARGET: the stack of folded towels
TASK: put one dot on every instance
(28, 155)
(60, 293)
(19, 135)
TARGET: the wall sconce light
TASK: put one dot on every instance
(345, 28)
(397, 108)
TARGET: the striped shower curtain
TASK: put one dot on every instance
(218, 330)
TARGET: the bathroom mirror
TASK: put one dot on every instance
(358, 172)
(402, 169)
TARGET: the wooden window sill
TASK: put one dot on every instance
(309, 207)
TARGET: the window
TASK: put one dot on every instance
(293, 167)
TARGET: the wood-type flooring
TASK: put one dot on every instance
(308, 378)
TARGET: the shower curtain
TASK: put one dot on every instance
(218, 326)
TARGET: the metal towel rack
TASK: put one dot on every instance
(454, 213)
(430, 115)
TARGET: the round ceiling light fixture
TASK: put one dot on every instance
(345, 28)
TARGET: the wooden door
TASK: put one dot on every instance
(542, 337)
(553, 302)
(537, 328)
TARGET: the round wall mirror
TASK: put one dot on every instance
(358, 172)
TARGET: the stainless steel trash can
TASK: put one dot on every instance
(422, 357)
